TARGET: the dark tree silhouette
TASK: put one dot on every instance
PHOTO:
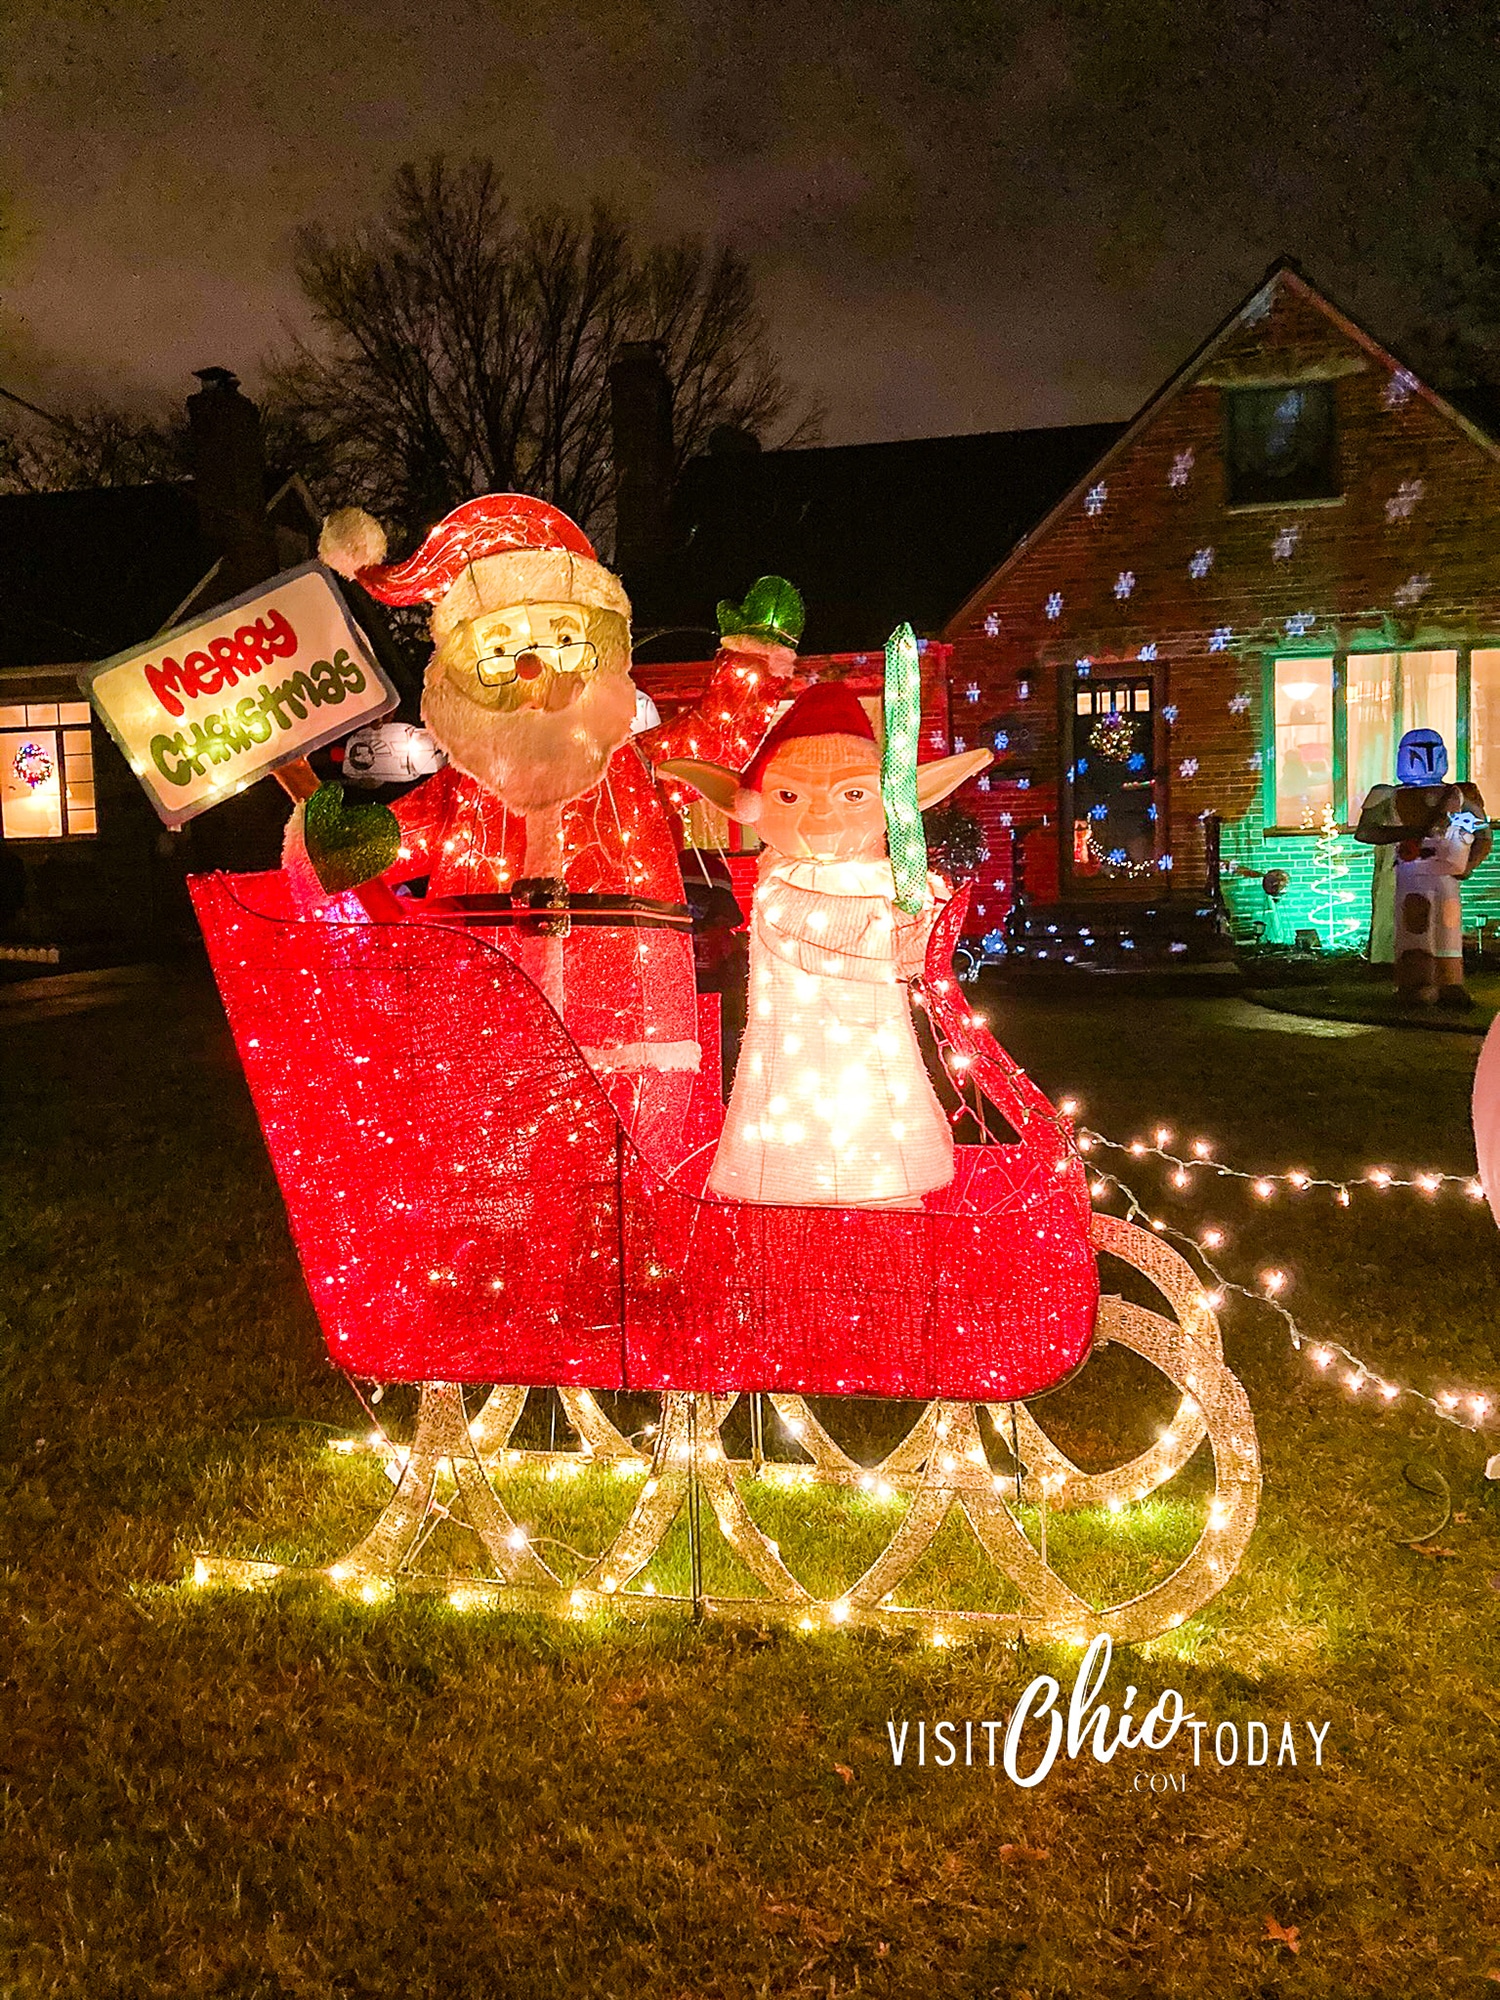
(462, 346)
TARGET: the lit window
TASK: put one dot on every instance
(1280, 444)
(1304, 740)
(1484, 724)
(1387, 694)
(46, 770)
(1382, 696)
(1370, 694)
(1429, 698)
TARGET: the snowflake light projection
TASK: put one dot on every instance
(1239, 704)
(1300, 624)
(1403, 502)
(1188, 768)
(1054, 604)
(1182, 468)
(1095, 498)
(1254, 760)
(1201, 562)
(1124, 584)
(1006, 819)
(1413, 590)
(1398, 390)
(1148, 651)
(992, 624)
(1169, 713)
(982, 782)
(1083, 668)
(1219, 638)
(1285, 543)
(972, 691)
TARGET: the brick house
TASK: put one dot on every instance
(1289, 557)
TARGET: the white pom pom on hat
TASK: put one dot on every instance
(351, 540)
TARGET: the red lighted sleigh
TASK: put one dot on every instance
(468, 1206)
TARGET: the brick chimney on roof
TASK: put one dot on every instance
(640, 402)
(229, 483)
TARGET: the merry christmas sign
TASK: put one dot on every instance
(203, 711)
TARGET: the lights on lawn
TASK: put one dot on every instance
(1264, 1185)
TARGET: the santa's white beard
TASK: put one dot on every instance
(531, 758)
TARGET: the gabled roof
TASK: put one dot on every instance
(870, 534)
(1251, 308)
(84, 574)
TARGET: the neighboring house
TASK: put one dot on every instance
(84, 575)
(1232, 606)
(1288, 558)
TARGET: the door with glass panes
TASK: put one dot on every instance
(1113, 780)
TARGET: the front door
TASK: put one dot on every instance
(1113, 781)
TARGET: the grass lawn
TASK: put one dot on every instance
(287, 1794)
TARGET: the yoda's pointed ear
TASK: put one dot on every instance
(936, 780)
(711, 781)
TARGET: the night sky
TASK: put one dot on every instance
(963, 216)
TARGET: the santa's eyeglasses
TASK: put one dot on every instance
(527, 663)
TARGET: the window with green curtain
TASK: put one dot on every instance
(1429, 699)
(1370, 698)
(1303, 748)
(1484, 724)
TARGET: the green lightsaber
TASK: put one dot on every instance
(905, 836)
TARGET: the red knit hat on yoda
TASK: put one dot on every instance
(828, 709)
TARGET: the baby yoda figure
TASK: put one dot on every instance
(831, 1104)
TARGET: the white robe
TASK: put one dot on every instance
(831, 1104)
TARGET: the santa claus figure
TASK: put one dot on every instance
(548, 800)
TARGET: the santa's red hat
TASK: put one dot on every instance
(503, 548)
(827, 709)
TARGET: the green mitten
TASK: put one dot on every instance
(348, 845)
(772, 610)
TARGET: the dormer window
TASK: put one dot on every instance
(1281, 444)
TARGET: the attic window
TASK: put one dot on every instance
(1281, 444)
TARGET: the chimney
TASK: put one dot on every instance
(640, 403)
(229, 482)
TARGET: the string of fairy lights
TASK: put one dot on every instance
(1467, 1409)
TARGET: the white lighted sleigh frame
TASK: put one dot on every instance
(941, 1463)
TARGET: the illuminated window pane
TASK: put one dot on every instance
(1429, 698)
(81, 820)
(31, 805)
(1370, 683)
(73, 711)
(42, 712)
(1484, 721)
(1083, 702)
(12, 716)
(1142, 699)
(1304, 740)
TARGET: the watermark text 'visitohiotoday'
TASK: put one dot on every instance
(1027, 1743)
